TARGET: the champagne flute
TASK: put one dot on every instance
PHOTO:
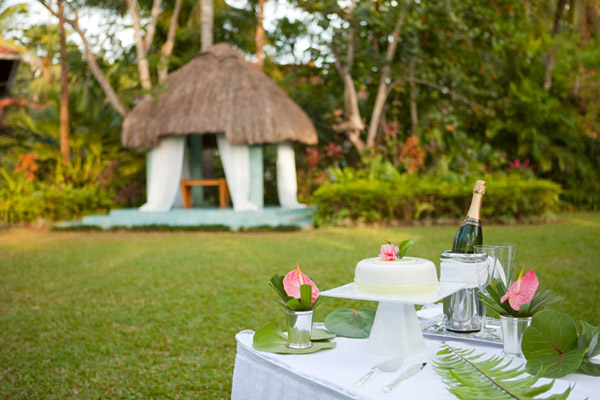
(492, 259)
(506, 255)
(490, 264)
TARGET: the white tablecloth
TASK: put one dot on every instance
(330, 374)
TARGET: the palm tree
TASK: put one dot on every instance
(206, 24)
(260, 34)
(65, 151)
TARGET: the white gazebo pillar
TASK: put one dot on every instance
(287, 185)
(163, 173)
(257, 196)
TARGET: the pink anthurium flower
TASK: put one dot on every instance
(522, 290)
(294, 279)
(388, 252)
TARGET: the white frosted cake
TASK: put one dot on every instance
(408, 275)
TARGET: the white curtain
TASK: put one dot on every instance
(236, 163)
(287, 185)
(166, 162)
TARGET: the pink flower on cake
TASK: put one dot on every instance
(522, 290)
(294, 279)
(388, 252)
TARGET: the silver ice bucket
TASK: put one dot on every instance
(463, 311)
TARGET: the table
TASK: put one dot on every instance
(331, 374)
(186, 190)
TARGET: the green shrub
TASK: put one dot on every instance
(25, 201)
(508, 198)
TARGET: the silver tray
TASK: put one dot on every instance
(491, 334)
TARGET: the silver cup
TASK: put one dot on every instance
(299, 327)
(512, 334)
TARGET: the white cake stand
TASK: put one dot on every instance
(396, 329)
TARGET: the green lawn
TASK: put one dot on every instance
(153, 315)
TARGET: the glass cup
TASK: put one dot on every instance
(492, 253)
(486, 279)
(506, 255)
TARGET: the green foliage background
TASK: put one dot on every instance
(480, 97)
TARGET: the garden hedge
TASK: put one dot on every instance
(507, 199)
(55, 203)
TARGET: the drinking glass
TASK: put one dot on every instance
(492, 253)
(506, 255)
(492, 256)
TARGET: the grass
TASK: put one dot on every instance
(154, 314)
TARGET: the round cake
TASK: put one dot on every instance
(408, 275)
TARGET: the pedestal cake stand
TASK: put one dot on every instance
(396, 329)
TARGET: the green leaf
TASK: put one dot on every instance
(271, 338)
(276, 283)
(318, 301)
(350, 323)
(589, 368)
(550, 345)
(306, 297)
(542, 300)
(589, 337)
(294, 304)
(404, 246)
(491, 304)
(468, 377)
(318, 334)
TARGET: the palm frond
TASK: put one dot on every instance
(469, 377)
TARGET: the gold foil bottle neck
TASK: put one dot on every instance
(479, 187)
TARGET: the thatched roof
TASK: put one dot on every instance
(218, 92)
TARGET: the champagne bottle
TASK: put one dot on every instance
(470, 233)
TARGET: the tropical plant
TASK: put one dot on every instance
(296, 290)
(555, 346)
(469, 377)
(523, 298)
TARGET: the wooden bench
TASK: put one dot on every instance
(186, 190)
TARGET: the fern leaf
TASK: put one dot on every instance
(470, 377)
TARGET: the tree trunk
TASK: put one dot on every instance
(352, 124)
(551, 63)
(414, 116)
(167, 48)
(586, 36)
(65, 152)
(385, 74)
(149, 37)
(206, 24)
(260, 34)
(140, 47)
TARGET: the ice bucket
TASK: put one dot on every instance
(463, 311)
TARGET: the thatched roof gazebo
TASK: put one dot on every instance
(218, 92)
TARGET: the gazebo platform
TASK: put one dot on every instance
(272, 217)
